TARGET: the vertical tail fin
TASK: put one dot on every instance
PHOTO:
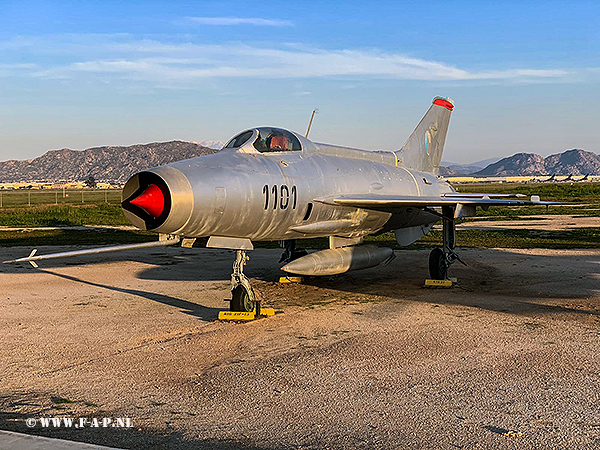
(423, 149)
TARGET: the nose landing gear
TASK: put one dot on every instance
(243, 298)
(440, 259)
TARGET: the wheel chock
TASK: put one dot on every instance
(444, 284)
(291, 279)
(240, 316)
(236, 315)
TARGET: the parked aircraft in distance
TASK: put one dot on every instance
(271, 184)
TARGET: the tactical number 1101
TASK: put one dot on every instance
(287, 197)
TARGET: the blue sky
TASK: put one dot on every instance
(524, 75)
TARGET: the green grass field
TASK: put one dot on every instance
(36, 197)
(101, 213)
(63, 215)
(36, 238)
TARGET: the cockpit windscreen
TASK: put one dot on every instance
(276, 140)
(239, 140)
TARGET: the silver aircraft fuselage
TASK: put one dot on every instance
(243, 193)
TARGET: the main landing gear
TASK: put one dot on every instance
(442, 258)
(290, 253)
(242, 295)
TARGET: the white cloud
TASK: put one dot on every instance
(179, 64)
(18, 66)
(8, 70)
(258, 62)
(241, 21)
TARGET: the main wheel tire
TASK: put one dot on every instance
(437, 264)
(241, 299)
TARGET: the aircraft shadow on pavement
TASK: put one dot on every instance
(13, 420)
(506, 281)
(498, 280)
(494, 279)
(194, 309)
(165, 264)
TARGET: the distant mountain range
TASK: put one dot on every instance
(457, 168)
(111, 164)
(117, 164)
(217, 145)
(570, 162)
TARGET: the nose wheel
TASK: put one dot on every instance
(440, 259)
(242, 299)
(242, 295)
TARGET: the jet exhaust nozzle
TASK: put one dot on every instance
(339, 260)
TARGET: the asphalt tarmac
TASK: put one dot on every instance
(369, 359)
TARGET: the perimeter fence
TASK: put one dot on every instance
(19, 198)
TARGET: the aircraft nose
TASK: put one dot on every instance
(151, 200)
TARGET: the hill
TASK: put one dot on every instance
(446, 171)
(570, 162)
(116, 164)
(112, 164)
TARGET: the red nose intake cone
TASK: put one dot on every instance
(152, 200)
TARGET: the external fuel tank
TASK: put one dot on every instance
(339, 260)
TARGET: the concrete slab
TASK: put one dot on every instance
(18, 441)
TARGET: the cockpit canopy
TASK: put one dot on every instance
(267, 139)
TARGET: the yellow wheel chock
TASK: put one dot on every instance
(242, 316)
(290, 279)
(443, 284)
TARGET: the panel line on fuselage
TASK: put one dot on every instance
(414, 179)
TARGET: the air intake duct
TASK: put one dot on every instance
(159, 199)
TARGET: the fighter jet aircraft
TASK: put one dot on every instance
(566, 179)
(271, 184)
(549, 179)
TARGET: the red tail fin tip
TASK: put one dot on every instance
(445, 103)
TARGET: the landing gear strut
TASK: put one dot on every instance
(290, 253)
(242, 295)
(442, 258)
